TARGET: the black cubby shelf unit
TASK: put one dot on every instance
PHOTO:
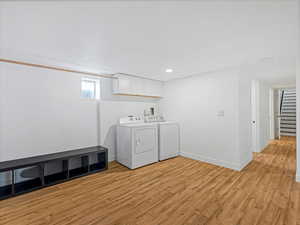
(29, 174)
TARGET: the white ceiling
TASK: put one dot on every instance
(145, 38)
(278, 72)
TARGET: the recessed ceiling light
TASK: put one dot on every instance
(169, 70)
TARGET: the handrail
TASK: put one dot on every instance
(281, 101)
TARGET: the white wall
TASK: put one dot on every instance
(42, 112)
(298, 95)
(245, 119)
(298, 122)
(264, 119)
(2, 99)
(198, 103)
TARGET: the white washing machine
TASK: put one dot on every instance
(169, 140)
(137, 142)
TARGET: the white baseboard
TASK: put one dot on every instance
(245, 163)
(298, 177)
(216, 162)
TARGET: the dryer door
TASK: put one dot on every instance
(145, 145)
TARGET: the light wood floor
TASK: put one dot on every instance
(179, 191)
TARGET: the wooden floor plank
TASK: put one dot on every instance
(178, 191)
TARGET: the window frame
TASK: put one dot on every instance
(96, 84)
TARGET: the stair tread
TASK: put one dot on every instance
(288, 124)
(287, 134)
(290, 130)
(288, 113)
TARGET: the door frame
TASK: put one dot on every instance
(272, 115)
(255, 116)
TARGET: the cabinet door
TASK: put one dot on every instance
(122, 85)
(136, 86)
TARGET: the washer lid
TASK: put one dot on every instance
(168, 122)
(138, 125)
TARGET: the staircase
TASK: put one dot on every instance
(288, 113)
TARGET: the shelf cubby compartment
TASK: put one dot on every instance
(24, 175)
(6, 184)
(56, 171)
(97, 162)
(28, 178)
(78, 166)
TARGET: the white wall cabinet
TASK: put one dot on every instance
(129, 85)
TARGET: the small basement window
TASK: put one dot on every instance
(90, 88)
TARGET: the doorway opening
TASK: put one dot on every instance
(273, 114)
(274, 124)
(285, 113)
